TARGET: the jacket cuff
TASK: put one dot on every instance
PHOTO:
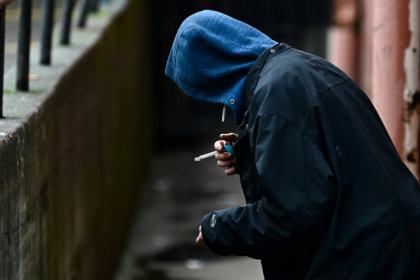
(212, 233)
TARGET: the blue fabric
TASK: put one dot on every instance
(211, 56)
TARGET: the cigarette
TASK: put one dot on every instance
(199, 158)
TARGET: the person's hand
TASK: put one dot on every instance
(200, 240)
(226, 159)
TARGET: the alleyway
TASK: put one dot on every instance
(161, 245)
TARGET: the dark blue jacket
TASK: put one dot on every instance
(328, 196)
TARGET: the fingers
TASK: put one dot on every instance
(232, 170)
(200, 240)
(231, 137)
(222, 156)
(225, 160)
(226, 137)
(218, 146)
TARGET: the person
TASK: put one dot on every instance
(327, 195)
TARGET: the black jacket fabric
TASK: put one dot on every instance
(327, 194)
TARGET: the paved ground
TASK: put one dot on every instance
(162, 241)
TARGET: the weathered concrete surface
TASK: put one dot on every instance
(74, 151)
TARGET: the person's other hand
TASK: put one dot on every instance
(200, 240)
(226, 159)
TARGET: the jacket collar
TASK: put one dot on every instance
(254, 72)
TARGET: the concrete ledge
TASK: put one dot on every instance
(74, 151)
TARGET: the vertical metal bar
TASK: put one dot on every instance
(2, 42)
(94, 5)
(24, 42)
(46, 32)
(65, 32)
(85, 8)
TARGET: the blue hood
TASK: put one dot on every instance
(211, 56)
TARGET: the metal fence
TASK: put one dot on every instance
(24, 35)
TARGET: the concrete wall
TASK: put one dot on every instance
(74, 151)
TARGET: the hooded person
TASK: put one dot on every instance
(211, 57)
(327, 195)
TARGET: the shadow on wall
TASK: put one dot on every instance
(180, 120)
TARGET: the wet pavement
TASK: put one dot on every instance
(178, 193)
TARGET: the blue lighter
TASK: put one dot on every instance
(228, 149)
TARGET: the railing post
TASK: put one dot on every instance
(46, 32)
(95, 5)
(2, 42)
(65, 32)
(85, 8)
(24, 42)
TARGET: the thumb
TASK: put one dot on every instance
(228, 136)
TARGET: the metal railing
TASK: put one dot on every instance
(24, 35)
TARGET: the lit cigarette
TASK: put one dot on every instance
(199, 158)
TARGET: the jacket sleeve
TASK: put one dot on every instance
(297, 195)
